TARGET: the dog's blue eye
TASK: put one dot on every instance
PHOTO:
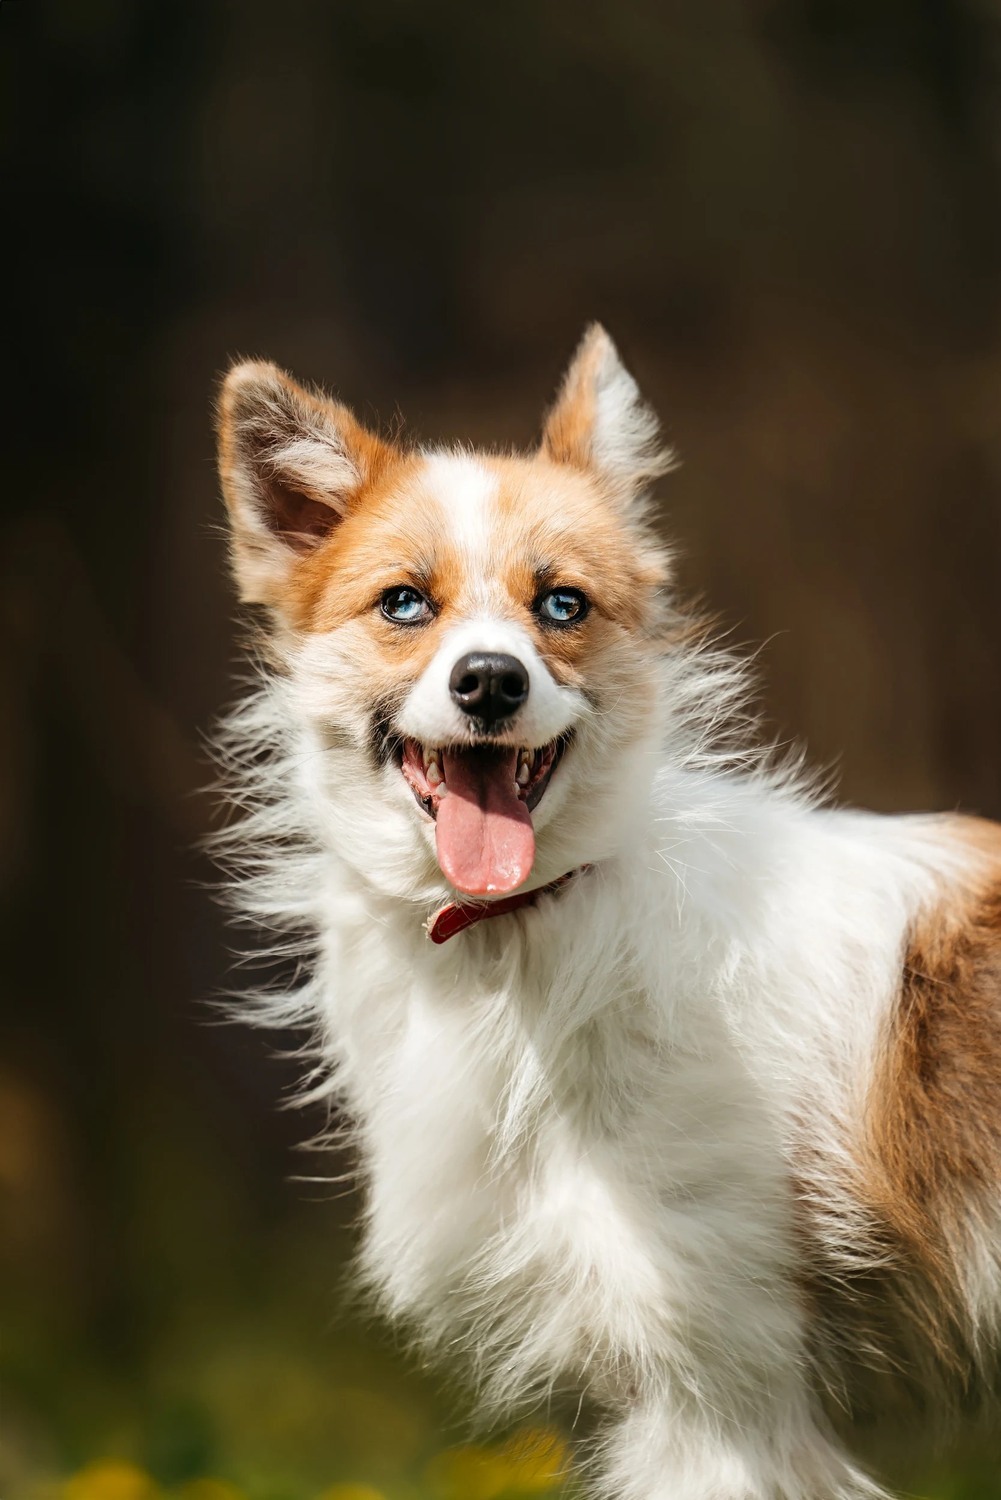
(562, 606)
(405, 606)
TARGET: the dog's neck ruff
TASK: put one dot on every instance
(456, 916)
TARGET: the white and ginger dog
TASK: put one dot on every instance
(704, 1123)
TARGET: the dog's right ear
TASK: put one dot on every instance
(291, 463)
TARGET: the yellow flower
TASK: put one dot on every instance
(209, 1489)
(536, 1459)
(530, 1462)
(109, 1479)
(467, 1473)
(351, 1492)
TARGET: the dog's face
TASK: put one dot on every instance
(467, 637)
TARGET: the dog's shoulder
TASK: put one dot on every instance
(942, 1063)
(933, 1122)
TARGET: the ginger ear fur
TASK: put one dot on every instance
(600, 423)
(292, 463)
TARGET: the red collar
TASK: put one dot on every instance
(456, 916)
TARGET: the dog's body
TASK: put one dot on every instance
(709, 1132)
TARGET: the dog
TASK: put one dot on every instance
(676, 1091)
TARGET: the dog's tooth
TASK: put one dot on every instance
(524, 774)
(433, 773)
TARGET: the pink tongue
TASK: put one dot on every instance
(486, 845)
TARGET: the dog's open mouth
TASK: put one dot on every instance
(481, 798)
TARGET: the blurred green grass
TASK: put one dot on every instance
(256, 1405)
(270, 1402)
(207, 1353)
(213, 1359)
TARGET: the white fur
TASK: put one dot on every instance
(464, 491)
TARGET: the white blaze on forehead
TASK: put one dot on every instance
(464, 490)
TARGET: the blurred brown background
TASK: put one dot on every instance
(787, 213)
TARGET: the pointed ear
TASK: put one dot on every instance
(599, 421)
(291, 463)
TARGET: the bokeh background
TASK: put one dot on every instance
(786, 211)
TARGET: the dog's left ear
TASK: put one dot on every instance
(599, 421)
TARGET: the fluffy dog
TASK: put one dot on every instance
(671, 1086)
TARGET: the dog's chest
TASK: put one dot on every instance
(563, 1163)
(493, 1128)
(530, 1173)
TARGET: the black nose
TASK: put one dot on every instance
(488, 686)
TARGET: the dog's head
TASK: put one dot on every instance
(467, 638)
